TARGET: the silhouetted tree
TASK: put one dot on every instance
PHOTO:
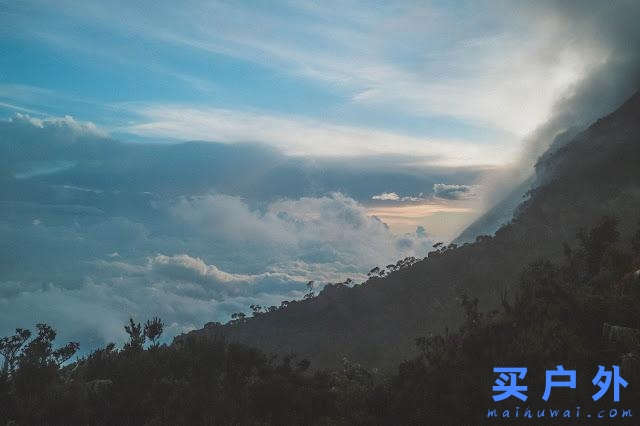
(153, 330)
(9, 347)
(136, 336)
(256, 309)
(238, 317)
(310, 293)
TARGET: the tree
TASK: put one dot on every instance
(38, 363)
(310, 292)
(153, 330)
(256, 309)
(63, 354)
(136, 336)
(39, 350)
(238, 317)
(9, 347)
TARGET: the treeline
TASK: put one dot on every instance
(555, 315)
(199, 381)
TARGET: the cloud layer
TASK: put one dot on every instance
(84, 251)
(605, 35)
(295, 135)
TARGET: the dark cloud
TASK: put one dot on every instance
(453, 192)
(82, 162)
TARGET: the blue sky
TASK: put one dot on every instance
(462, 81)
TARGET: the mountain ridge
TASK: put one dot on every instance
(377, 322)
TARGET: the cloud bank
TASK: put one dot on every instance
(605, 40)
(84, 251)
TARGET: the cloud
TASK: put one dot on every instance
(200, 280)
(386, 196)
(392, 196)
(605, 39)
(32, 147)
(199, 237)
(453, 192)
(477, 63)
(200, 259)
(95, 163)
(64, 128)
(352, 51)
(607, 34)
(84, 255)
(442, 191)
(334, 231)
(57, 130)
(297, 135)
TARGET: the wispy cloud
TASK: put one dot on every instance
(296, 135)
(446, 66)
(479, 62)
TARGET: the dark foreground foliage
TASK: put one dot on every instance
(555, 316)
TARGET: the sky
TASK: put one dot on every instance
(441, 82)
(189, 159)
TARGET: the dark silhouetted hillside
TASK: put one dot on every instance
(375, 323)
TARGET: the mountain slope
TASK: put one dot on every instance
(498, 215)
(375, 323)
(502, 212)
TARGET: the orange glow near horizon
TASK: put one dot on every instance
(441, 220)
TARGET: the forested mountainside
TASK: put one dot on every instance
(375, 323)
(576, 306)
(502, 211)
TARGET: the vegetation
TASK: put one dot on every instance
(556, 316)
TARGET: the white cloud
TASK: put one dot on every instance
(297, 135)
(213, 255)
(392, 196)
(333, 231)
(62, 129)
(386, 196)
(194, 270)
